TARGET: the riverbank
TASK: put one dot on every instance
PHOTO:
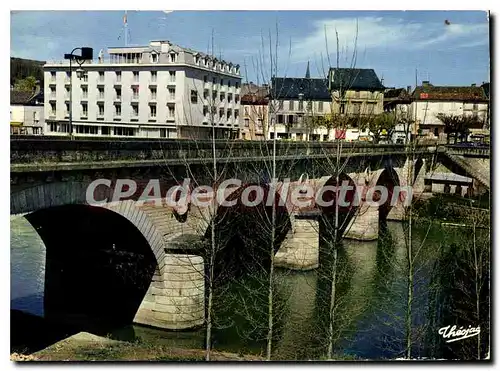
(88, 347)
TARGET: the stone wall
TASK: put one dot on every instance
(300, 249)
(175, 299)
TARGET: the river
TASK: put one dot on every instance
(369, 311)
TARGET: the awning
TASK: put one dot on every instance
(16, 123)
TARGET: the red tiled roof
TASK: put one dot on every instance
(450, 93)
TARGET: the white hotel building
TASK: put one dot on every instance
(156, 91)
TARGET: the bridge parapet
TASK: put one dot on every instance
(35, 154)
(483, 152)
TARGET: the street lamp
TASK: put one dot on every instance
(85, 54)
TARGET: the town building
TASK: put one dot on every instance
(254, 103)
(158, 90)
(294, 103)
(27, 112)
(355, 91)
(428, 101)
(397, 102)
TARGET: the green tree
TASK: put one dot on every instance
(27, 84)
(458, 125)
(381, 125)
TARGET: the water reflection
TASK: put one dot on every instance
(370, 298)
(27, 267)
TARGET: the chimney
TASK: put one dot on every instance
(473, 85)
(425, 83)
(408, 89)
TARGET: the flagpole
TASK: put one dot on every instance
(125, 28)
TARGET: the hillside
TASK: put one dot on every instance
(22, 68)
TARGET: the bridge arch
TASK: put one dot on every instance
(61, 194)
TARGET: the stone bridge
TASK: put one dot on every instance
(164, 250)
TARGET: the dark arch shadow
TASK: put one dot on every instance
(389, 179)
(98, 266)
(345, 213)
(418, 166)
(243, 233)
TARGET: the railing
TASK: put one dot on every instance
(480, 151)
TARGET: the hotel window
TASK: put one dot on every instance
(205, 94)
(229, 97)
(52, 109)
(172, 76)
(105, 130)
(214, 95)
(85, 92)
(171, 111)
(301, 105)
(221, 112)
(67, 92)
(153, 93)
(320, 106)
(67, 109)
(246, 111)
(247, 122)
(205, 111)
(205, 79)
(118, 76)
(173, 57)
(236, 113)
(171, 93)
(229, 113)
(101, 109)
(152, 111)
(222, 96)
(135, 110)
(236, 98)
(85, 109)
(118, 92)
(136, 76)
(214, 81)
(135, 92)
(124, 131)
(221, 82)
(100, 93)
(194, 96)
(153, 76)
(228, 83)
(52, 92)
(237, 85)
(280, 105)
(118, 110)
(290, 105)
(85, 77)
(101, 76)
(163, 133)
(154, 58)
(280, 119)
(52, 76)
(197, 59)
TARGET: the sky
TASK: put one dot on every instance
(444, 47)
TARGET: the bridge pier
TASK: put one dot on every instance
(300, 249)
(175, 299)
(364, 224)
